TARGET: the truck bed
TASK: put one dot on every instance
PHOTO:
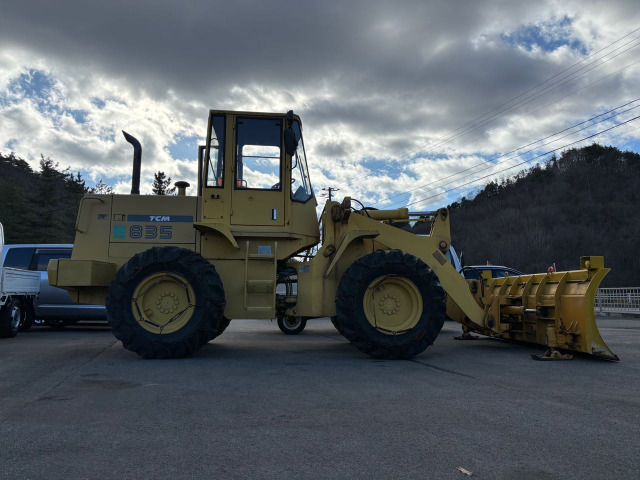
(14, 281)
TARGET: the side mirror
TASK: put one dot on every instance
(290, 142)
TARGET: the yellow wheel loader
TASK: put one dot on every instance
(174, 270)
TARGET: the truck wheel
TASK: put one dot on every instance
(10, 318)
(390, 305)
(291, 325)
(166, 302)
(29, 317)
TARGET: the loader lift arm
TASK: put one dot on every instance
(551, 309)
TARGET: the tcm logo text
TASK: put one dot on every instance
(160, 218)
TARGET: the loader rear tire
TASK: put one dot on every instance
(223, 326)
(166, 302)
(336, 324)
(406, 315)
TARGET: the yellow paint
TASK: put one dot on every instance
(163, 303)
(249, 234)
(392, 304)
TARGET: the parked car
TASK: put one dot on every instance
(488, 272)
(53, 306)
(18, 289)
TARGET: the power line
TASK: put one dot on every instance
(528, 114)
(529, 151)
(524, 162)
(520, 154)
(531, 113)
(537, 95)
(626, 133)
(329, 193)
(513, 151)
(524, 93)
(555, 101)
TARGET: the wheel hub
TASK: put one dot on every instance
(292, 322)
(163, 303)
(15, 317)
(392, 305)
(167, 302)
(389, 304)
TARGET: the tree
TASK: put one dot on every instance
(584, 200)
(102, 188)
(161, 184)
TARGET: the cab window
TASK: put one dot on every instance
(258, 153)
(300, 182)
(215, 155)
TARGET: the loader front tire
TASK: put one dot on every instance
(166, 302)
(390, 305)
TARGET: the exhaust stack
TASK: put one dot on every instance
(137, 162)
(182, 188)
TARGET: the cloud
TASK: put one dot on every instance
(379, 86)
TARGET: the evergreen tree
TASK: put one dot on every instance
(49, 194)
(102, 188)
(585, 202)
(38, 207)
(161, 184)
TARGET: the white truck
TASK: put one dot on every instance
(18, 289)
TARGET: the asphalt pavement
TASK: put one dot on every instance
(255, 403)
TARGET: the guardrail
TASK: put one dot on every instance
(618, 300)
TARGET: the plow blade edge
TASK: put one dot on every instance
(551, 309)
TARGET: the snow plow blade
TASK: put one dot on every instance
(551, 309)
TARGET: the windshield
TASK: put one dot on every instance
(258, 153)
(301, 190)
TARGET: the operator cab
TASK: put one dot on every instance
(254, 169)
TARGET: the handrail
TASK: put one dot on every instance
(618, 300)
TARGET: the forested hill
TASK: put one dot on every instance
(587, 202)
(38, 207)
(41, 206)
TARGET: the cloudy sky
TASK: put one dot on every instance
(402, 102)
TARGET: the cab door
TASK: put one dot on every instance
(212, 181)
(258, 193)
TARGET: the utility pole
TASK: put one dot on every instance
(329, 191)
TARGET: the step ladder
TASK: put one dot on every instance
(260, 286)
